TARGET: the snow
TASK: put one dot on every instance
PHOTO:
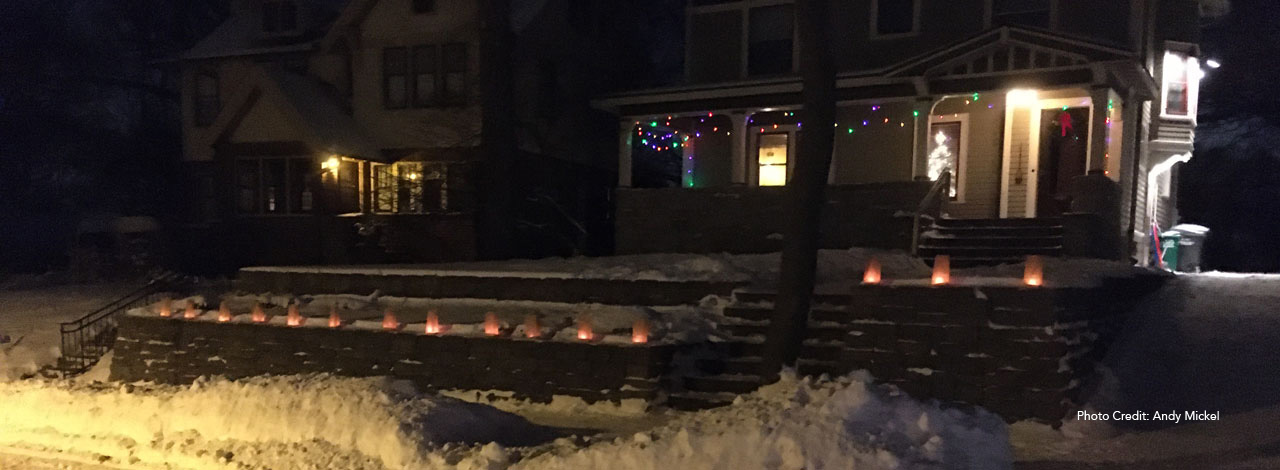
(760, 269)
(1204, 342)
(839, 424)
(29, 316)
(262, 423)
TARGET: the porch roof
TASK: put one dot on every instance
(1052, 60)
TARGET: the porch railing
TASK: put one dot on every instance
(933, 199)
(87, 339)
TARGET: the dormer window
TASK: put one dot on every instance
(424, 6)
(279, 17)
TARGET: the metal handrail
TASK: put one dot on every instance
(944, 181)
(86, 339)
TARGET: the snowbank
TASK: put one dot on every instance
(29, 322)
(842, 424)
(833, 265)
(207, 425)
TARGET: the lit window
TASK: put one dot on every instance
(893, 17)
(1181, 76)
(410, 187)
(944, 152)
(772, 158)
(276, 185)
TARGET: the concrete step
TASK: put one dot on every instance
(735, 365)
(1016, 222)
(724, 383)
(993, 241)
(695, 401)
(929, 251)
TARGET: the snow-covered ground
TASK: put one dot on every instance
(29, 317)
(1205, 342)
(343, 423)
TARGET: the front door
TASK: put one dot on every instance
(1064, 155)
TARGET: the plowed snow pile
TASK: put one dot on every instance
(276, 423)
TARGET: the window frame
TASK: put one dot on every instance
(1191, 66)
(417, 7)
(259, 188)
(962, 153)
(391, 178)
(446, 68)
(388, 75)
(202, 116)
(792, 69)
(874, 27)
(990, 15)
(743, 8)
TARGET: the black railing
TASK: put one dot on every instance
(87, 339)
(932, 203)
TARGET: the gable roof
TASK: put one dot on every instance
(324, 122)
(1040, 48)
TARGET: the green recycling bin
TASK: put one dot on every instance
(1169, 242)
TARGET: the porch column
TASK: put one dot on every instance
(920, 149)
(1098, 128)
(738, 148)
(626, 128)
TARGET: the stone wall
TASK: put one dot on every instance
(1023, 353)
(169, 350)
(745, 219)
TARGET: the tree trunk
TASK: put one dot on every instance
(806, 192)
(494, 222)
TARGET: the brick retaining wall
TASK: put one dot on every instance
(1023, 353)
(169, 350)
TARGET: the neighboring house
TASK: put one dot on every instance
(1065, 114)
(342, 131)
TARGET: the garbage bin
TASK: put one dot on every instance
(1169, 242)
(1190, 246)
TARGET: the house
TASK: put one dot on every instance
(349, 131)
(1059, 124)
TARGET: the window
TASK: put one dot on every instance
(1181, 79)
(207, 102)
(279, 17)
(410, 187)
(772, 158)
(1035, 13)
(424, 75)
(395, 83)
(454, 88)
(424, 6)
(771, 37)
(895, 17)
(277, 185)
(944, 152)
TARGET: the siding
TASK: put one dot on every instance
(877, 152)
(980, 172)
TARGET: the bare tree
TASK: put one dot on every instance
(806, 192)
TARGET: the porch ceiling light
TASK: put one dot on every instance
(1022, 98)
(331, 165)
(1213, 63)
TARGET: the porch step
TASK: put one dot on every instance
(695, 401)
(980, 242)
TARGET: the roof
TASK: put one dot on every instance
(241, 34)
(319, 111)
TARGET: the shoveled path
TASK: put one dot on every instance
(1204, 342)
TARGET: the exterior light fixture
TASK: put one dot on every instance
(1022, 98)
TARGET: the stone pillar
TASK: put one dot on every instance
(626, 130)
(920, 149)
(1098, 131)
(738, 148)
